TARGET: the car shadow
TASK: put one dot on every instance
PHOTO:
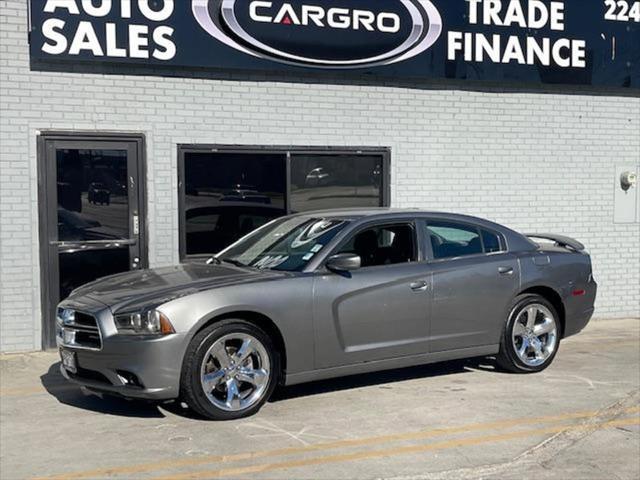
(382, 378)
(73, 395)
(70, 394)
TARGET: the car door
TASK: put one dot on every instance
(379, 311)
(474, 281)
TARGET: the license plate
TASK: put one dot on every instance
(69, 360)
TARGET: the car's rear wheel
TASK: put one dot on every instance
(230, 370)
(531, 335)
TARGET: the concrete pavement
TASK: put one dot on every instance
(457, 420)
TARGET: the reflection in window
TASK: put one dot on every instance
(93, 202)
(335, 181)
(287, 245)
(80, 267)
(227, 195)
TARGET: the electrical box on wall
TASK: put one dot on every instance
(627, 195)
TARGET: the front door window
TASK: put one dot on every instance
(383, 245)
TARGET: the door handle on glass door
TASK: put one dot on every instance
(419, 286)
(505, 270)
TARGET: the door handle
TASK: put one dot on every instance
(505, 270)
(420, 286)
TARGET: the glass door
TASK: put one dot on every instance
(93, 202)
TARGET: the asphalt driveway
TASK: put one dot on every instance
(579, 419)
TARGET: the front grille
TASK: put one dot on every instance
(85, 320)
(78, 329)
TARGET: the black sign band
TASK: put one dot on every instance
(588, 42)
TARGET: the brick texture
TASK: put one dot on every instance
(536, 160)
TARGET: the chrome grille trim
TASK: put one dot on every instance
(82, 333)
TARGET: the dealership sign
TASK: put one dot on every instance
(589, 42)
(334, 35)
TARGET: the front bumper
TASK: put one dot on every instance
(137, 367)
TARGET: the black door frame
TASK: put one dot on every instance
(49, 281)
(285, 150)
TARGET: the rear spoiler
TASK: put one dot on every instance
(559, 240)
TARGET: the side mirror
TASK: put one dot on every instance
(344, 262)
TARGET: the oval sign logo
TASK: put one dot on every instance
(328, 34)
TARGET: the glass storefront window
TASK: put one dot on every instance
(227, 193)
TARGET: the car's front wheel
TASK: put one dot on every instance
(230, 370)
(531, 336)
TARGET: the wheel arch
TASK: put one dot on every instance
(259, 320)
(553, 297)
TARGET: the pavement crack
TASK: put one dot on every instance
(558, 443)
(542, 453)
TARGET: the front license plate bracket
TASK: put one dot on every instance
(69, 361)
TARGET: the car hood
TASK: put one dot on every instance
(145, 288)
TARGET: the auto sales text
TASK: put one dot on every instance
(101, 38)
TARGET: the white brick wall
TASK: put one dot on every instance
(534, 161)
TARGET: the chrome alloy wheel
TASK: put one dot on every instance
(534, 334)
(235, 372)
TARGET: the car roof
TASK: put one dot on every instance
(357, 212)
(515, 240)
(384, 212)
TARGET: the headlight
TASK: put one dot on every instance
(150, 322)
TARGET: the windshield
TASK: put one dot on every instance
(288, 244)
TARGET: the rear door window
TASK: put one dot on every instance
(450, 239)
(453, 239)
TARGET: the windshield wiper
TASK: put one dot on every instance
(217, 261)
(237, 263)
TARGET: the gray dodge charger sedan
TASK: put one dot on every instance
(326, 294)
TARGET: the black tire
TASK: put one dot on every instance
(191, 390)
(508, 358)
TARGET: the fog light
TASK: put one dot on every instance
(129, 379)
